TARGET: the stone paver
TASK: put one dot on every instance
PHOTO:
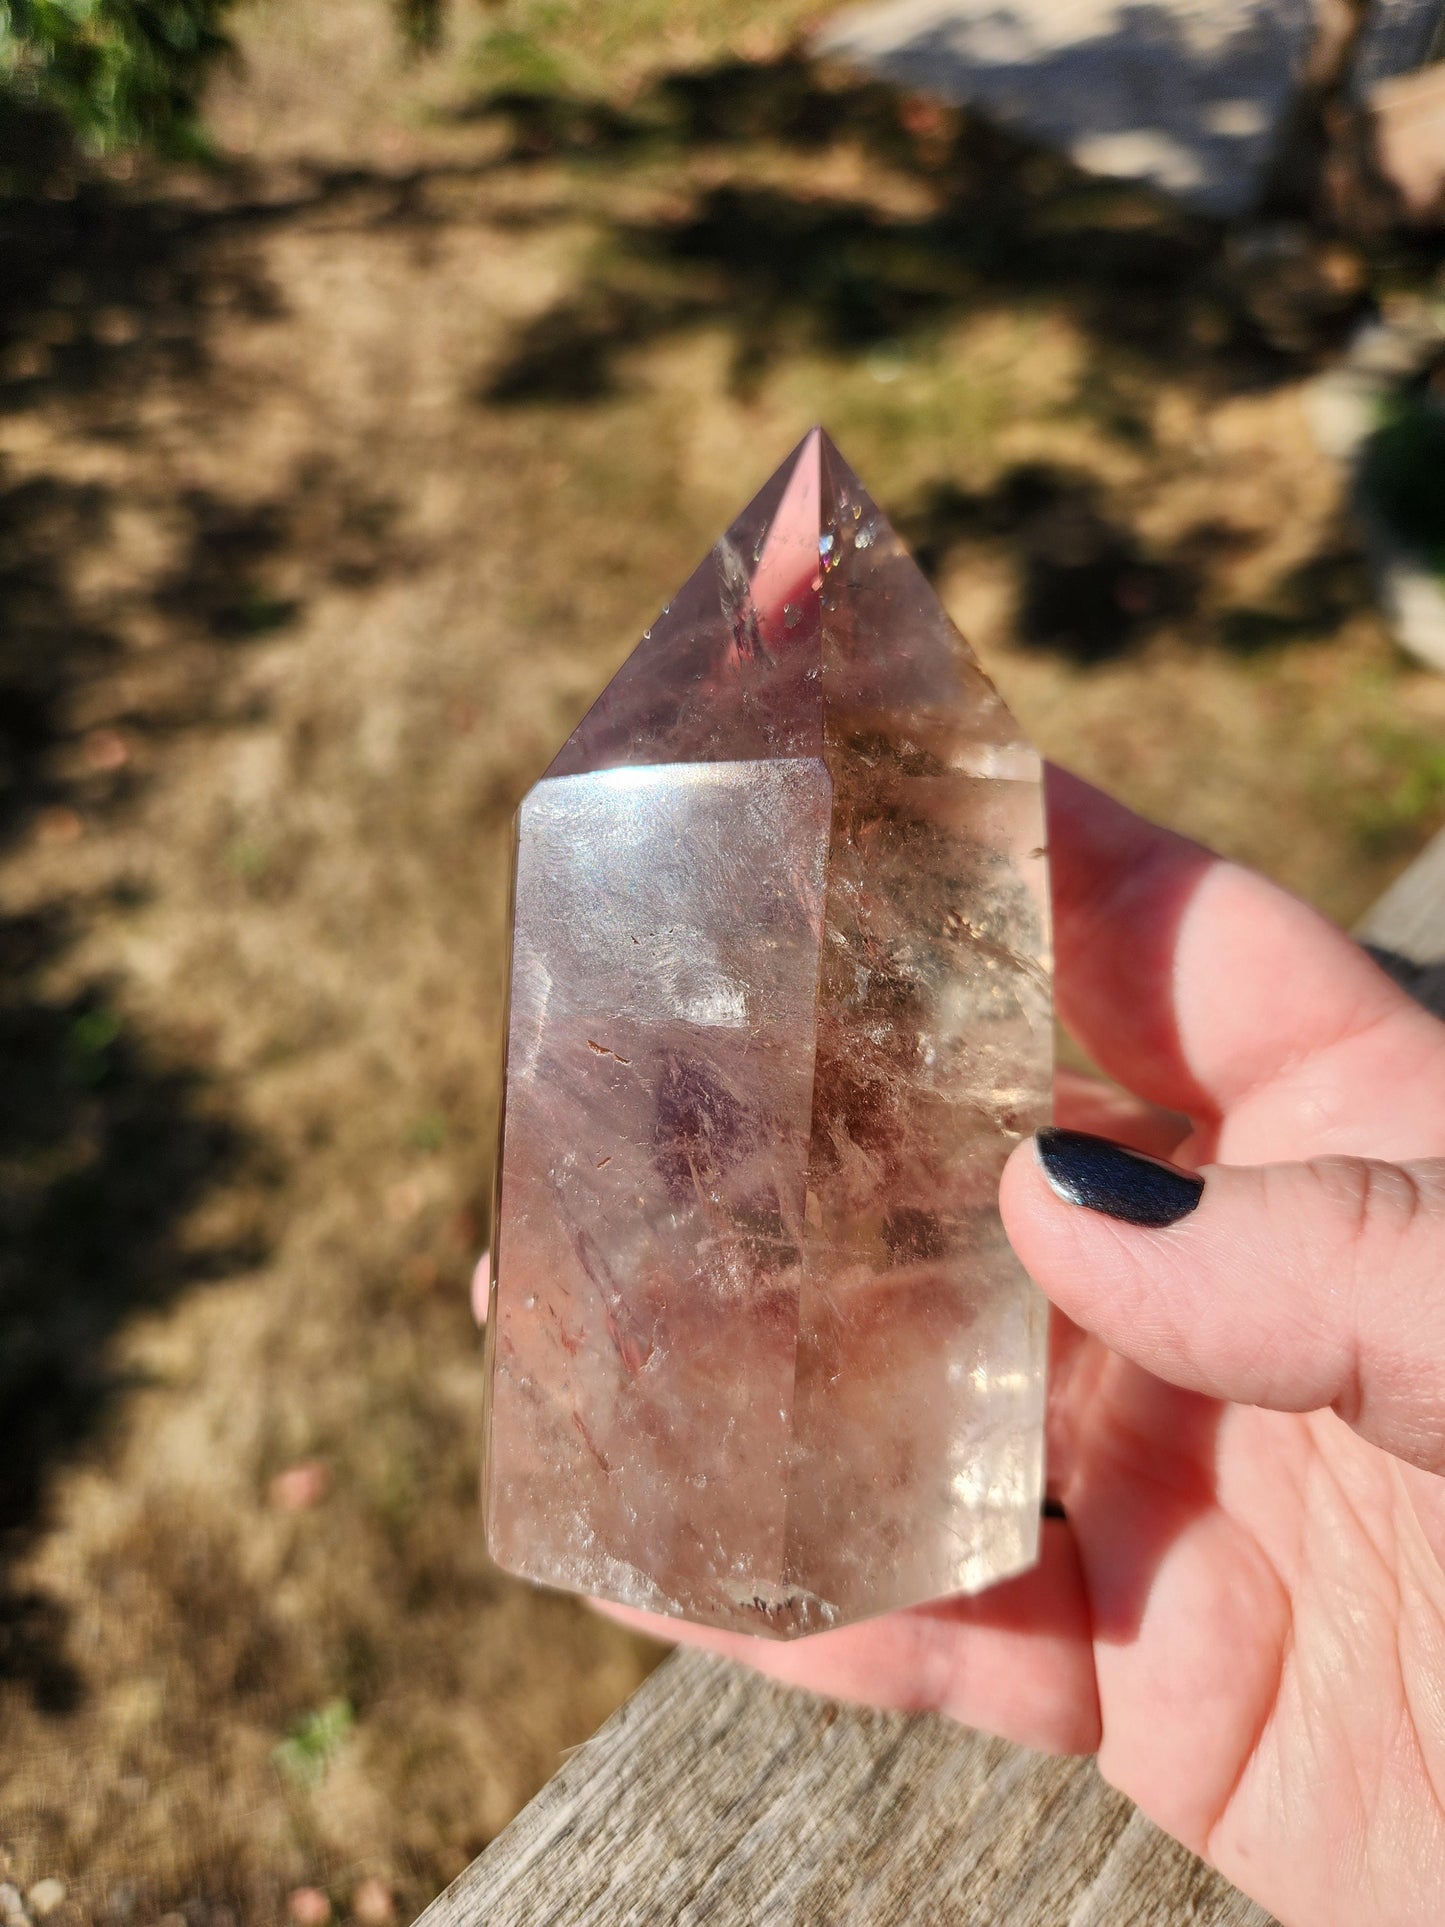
(1186, 94)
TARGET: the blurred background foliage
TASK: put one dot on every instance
(122, 73)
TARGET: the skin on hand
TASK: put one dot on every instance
(1244, 1609)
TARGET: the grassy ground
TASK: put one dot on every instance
(331, 486)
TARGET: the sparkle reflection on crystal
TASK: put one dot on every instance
(780, 1006)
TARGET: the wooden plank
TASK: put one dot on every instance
(1406, 928)
(715, 1796)
(1410, 917)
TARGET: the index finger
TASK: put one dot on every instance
(1190, 979)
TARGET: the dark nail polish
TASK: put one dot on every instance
(1107, 1177)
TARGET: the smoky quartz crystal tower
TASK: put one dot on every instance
(760, 1354)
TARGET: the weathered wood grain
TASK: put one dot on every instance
(713, 1796)
(1406, 928)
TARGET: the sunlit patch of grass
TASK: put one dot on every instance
(1410, 796)
(306, 1754)
(512, 59)
(248, 858)
(605, 46)
(428, 1133)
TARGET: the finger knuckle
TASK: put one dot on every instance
(1375, 1202)
(1380, 1250)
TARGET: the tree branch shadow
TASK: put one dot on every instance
(988, 218)
(109, 1144)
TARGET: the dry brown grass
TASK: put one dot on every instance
(329, 490)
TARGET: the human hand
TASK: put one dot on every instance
(1243, 1609)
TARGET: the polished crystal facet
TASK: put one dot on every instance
(780, 1006)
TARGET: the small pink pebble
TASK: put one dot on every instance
(373, 1905)
(308, 1907)
(106, 749)
(59, 825)
(404, 1199)
(294, 1490)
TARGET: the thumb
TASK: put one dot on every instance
(1296, 1286)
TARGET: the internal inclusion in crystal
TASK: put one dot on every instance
(759, 1352)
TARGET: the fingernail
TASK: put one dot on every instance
(1104, 1176)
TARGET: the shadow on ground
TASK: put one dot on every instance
(103, 1149)
(105, 1152)
(941, 216)
(106, 1146)
(996, 221)
(1090, 588)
